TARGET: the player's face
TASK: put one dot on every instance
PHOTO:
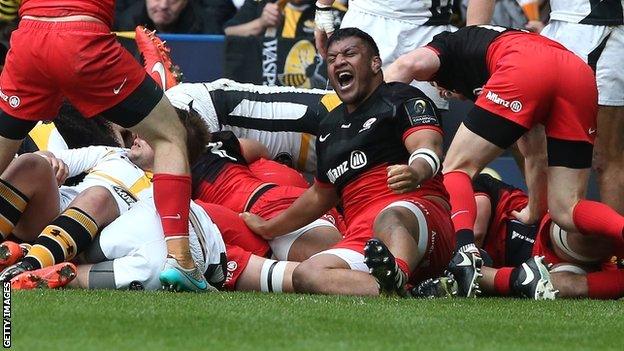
(164, 12)
(141, 154)
(350, 70)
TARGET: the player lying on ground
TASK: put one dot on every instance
(582, 265)
(284, 119)
(222, 176)
(495, 67)
(363, 152)
(128, 254)
(131, 257)
(116, 177)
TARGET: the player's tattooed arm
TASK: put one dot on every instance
(311, 205)
(533, 146)
(419, 64)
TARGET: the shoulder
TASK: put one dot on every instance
(398, 93)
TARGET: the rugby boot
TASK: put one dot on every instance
(382, 265)
(177, 278)
(11, 252)
(532, 280)
(466, 268)
(14, 270)
(156, 58)
(441, 287)
(52, 277)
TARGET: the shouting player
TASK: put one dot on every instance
(495, 66)
(380, 153)
(65, 49)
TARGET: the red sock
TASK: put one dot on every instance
(605, 285)
(502, 281)
(596, 218)
(172, 197)
(403, 266)
(463, 205)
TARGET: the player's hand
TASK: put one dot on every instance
(60, 169)
(271, 15)
(257, 224)
(324, 27)
(525, 216)
(402, 179)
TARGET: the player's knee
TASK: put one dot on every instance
(307, 278)
(99, 203)
(32, 163)
(462, 163)
(561, 211)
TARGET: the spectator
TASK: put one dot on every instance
(254, 17)
(169, 16)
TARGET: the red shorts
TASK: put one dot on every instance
(240, 242)
(80, 61)
(440, 236)
(539, 81)
(238, 258)
(274, 172)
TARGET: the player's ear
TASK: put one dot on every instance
(376, 64)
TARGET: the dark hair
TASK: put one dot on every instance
(197, 134)
(78, 131)
(344, 33)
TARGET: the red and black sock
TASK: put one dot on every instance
(463, 206)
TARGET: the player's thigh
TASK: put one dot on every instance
(608, 67)
(609, 146)
(309, 240)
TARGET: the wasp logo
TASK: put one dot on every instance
(302, 67)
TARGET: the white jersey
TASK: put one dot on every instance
(594, 12)
(108, 167)
(420, 12)
(138, 252)
(284, 119)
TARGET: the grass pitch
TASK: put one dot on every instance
(117, 320)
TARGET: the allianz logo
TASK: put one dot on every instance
(357, 160)
(515, 105)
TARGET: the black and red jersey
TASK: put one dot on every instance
(100, 9)
(464, 57)
(354, 149)
(508, 241)
(221, 174)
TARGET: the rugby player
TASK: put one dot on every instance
(363, 152)
(398, 26)
(222, 176)
(491, 65)
(595, 32)
(115, 180)
(65, 48)
(581, 265)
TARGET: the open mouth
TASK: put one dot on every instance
(345, 79)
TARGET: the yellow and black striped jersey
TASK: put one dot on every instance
(284, 119)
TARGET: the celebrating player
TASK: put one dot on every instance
(66, 49)
(363, 153)
(494, 66)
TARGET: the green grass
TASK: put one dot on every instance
(115, 320)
